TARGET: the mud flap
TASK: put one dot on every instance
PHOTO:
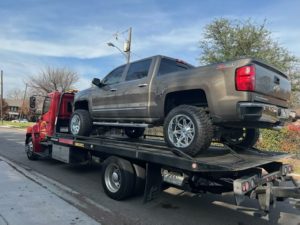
(153, 182)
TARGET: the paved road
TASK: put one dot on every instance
(173, 207)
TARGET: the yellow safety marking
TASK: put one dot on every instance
(77, 144)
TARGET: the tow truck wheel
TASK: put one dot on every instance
(118, 178)
(188, 128)
(29, 150)
(81, 123)
(134, 132)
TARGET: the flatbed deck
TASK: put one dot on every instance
(216, 158)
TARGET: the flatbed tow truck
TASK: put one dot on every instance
(148, 166)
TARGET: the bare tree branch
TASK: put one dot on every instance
(51, 79)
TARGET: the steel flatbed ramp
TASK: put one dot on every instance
(155, 151)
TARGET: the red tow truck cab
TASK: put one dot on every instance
(57, 107)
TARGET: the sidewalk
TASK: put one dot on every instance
(23, 201)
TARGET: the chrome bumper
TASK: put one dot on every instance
(264, 112)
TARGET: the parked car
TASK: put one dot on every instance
(23, 121)
(228, 101)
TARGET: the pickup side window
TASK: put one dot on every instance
(169, 66)
(114, 76)
(138, 70)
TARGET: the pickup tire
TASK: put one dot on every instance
(118, 178)
(134, 132)
(188, 128)
(246, 138)
(81, 123)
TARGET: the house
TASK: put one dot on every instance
(14, 108)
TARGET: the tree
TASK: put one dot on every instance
(52, 79)
(294, 75)
(225, 40)
(5, 108)
(15, 94)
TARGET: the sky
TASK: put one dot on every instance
(73, 34)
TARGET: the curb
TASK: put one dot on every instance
(96, 211)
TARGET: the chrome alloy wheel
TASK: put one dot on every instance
(181, 131)
(112, 178)
(29, 148)
(75, 124)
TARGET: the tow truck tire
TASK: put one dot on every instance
(81, 123)
(118, 178)
(29, 150)
(134, 132)
(247, 139)
(188, 128)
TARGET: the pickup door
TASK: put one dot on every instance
(104, 104)
(132, 94)
(124, 94)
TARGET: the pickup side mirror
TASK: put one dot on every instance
(97, 82)
(32, 103)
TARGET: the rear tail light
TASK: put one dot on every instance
(245, 186)
(286, 169)
(291, 169)
(245, 78)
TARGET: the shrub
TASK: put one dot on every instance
(286, 139)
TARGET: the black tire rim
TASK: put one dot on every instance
(235, 138)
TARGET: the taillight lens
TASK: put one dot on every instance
(245, 78)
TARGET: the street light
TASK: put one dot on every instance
(110, 44)
(127, 46)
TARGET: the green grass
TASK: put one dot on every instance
(16, 125)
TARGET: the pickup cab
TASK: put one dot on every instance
(228, 101)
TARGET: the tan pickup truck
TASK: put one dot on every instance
(228, 101)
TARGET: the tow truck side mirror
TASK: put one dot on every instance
(32, 103)
(97, 82)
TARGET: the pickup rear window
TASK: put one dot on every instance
(169, 66)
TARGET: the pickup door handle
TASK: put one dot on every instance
(113, 89)
(142, 85)
(276, 80)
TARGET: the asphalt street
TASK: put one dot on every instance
(173, 206)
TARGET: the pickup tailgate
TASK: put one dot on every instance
(272, 84)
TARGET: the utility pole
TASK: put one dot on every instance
(23, 101)
(1, 97)
(129, 44)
